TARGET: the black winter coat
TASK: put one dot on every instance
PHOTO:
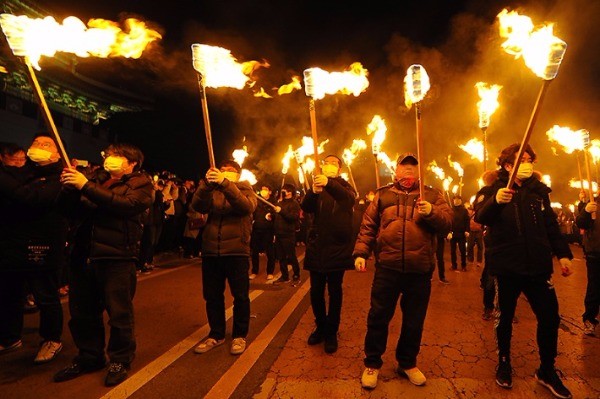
(522, 235)
(329, 241)
(261, 223)
(460, 221)
(33, 231)
(288, 219)
(112, 217)
(229, 222)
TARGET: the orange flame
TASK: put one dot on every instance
(488, 103)
(36, 37)
(595, 150)
(350, 153)
(577, 184)
(220, 69)
(474, 148)
(262, 93)
(287, 157)
(547, 180)
(290, 87)
(456, 166)
(318, 83)
(570, 140)
(446, 183)
(416, 85)
(541, 50)
(377, 126)
(383, 157)
(240, 155)
(248, 176)
(439, 172)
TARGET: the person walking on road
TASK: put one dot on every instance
(401, 229)
(286, 217)
(328, 248)
(522, 236)
(229, 204)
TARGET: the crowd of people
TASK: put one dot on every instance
(93, 228)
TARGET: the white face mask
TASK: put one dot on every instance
(264, 193)
(113, 164)
(231, 176)
(525, 171)
(330, 170)
(39, 155)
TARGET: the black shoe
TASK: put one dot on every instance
(331, 343)
(551, 380)
(146, 270)
(316, 337)
(281, 280)
(75, 370)
(117, 373)
(296, 278)
(504, 374)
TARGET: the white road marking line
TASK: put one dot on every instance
(141, 377)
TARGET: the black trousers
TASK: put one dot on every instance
(439, 255)
(44, 287)
(460, 241)
(286, 253)
(541, 296)
(475, 239)
(592, 292)
(262, 241)
(215, 272)
(488, 285)
(327, 321)
(388, 286)
(94, 288)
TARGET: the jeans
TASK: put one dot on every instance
(475, 239)
(592, 293)
(94, 288)
(388, 286)
(541, 295)
(328, 322)
(44, 287)
(216, 270)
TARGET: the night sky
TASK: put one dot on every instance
(456, 41)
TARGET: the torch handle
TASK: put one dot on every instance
(46, 113)
(377, 178)
(527, 135)
(264, 201)
(352, 180)
(580, 175)
(211, 154)
(484, 131)
(589, 179)
(420, 151)
(313, 130)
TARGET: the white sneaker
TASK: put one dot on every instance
(270, 277)
(252, 276)
(238, 346)
(589, 328)
(48, 351)
(414, 375)
(369, 378)
(208, 344)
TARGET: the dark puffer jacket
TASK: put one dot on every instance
(33, 231)
(401, 238)
(522, 235)
(329, 238)
(229, 223)
(288, 219)
(112, 218)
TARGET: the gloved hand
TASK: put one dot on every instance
(504, 195)
(591, 207)
(277, 209)
(268, 217)
(214, 175)
(449, 236)
(467, 234)
(360, 264)
(424, 208)
(320, 180)
(73, 177)
(565, 266)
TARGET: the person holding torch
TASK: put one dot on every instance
(401, 227)
(522, 236)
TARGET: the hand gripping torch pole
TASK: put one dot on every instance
(46, 113)
(264, 201)
(198, 63)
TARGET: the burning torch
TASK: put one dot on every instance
(585, 134)
(486, 106)
(378, 128)
(542, 52)
(416, 87)
(348, 155)
(32, 38)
